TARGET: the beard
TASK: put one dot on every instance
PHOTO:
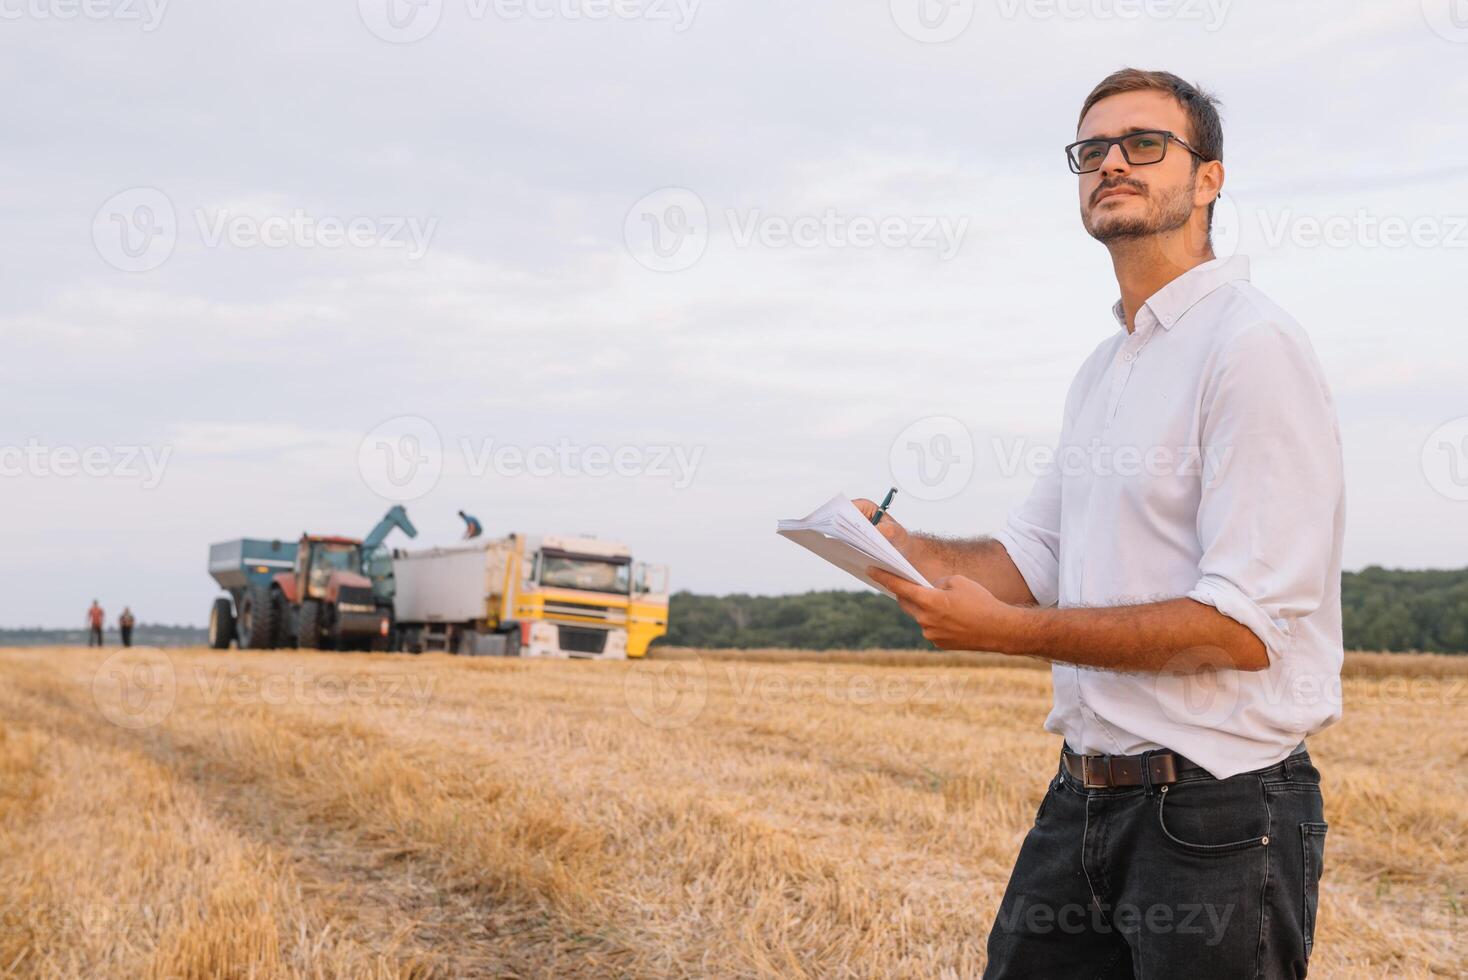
(1166, 212)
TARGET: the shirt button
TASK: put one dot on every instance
(1127, 357)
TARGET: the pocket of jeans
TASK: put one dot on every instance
(1214, 816)
(1313, 838)
(1045, 800)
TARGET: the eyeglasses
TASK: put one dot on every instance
(1139, 149)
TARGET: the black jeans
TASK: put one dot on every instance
(1201, 879)
(94, 639)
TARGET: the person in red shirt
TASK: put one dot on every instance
(95, 618)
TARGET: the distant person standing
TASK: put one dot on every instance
(95, 618)
(125, 626)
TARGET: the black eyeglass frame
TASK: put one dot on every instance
(1110, 141)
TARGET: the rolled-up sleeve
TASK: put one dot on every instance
(1271, 500)
(1031, 535)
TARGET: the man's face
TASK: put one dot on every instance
(1120, 201)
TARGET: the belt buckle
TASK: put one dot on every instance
(1086, 780)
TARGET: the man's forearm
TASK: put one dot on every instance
(982, 559)
(1174, 635)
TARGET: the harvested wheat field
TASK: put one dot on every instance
(196, 814)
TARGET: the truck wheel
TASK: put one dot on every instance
(259, 621)
(308, 625)
(378, 643)
(221, 624)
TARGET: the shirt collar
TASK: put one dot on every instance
(1170, 302)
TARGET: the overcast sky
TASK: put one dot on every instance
(663, 272)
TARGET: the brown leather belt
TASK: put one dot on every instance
(1110, 771)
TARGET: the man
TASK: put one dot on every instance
(125, 626)
(95, 619)
(1180, 567)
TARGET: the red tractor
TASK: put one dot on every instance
(325, 601)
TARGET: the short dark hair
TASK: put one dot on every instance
(1205, 129)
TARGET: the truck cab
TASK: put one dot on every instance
(550, 596)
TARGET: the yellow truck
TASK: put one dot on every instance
(530, 596)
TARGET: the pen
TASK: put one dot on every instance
(886, 502)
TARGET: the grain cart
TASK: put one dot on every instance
(313, 594)
(551, 596)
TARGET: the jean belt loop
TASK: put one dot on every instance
(1147, 772)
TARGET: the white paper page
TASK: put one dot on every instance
(839, 533)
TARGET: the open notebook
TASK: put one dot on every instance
(838, 533)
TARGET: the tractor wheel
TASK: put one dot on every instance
(259, 622)
(221, 624)
(308, 625)
(380, 643)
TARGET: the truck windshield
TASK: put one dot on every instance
(328, 558)
(586, 574)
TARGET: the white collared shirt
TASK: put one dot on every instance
(1199, 456)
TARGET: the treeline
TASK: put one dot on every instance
(1383, 609)
(1391, 609)
(144, 635)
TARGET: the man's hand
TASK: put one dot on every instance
(889, 529)
(957, 613)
